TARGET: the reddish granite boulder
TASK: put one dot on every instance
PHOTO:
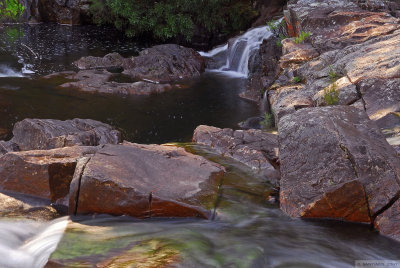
(145, 181)
(335, 163)
(43, 173)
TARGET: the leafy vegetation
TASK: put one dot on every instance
(11, 9)
(331, 94)
(163, 20)
(296, 79)
(302, 36)
(268, 121)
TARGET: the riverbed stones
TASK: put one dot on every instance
(335, 163)
(41, 173)
(254, 148)
(145, 181)
(43, 134)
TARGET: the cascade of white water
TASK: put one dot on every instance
(29, 243)
(234, 58)
(6, 71)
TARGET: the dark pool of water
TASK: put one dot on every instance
(172, 116)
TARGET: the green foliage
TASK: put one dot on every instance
(331, 94)
(11, 9)
(302, 36)
(268, 121)
(163, 20)
(296, 79)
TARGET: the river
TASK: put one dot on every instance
(249, 229)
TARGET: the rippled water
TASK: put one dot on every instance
(249, 230)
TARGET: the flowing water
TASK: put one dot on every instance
(233, 58)
(249, 229)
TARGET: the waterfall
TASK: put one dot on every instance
(233, 58)
(29, 243)
(6, 71)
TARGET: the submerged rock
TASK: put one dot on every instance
(145, 181)
(335, 163)
(254, 148)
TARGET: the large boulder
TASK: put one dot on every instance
(153, 71)
(43, 134)
(254, 148)
(45, 174)
(145, 181)
(335, 163)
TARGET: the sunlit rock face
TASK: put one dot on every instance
(145, 181)
(340, 162)
(335, 163)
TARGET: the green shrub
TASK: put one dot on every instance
(302, 36)
(331, 94)
(166, 19)
(296, 79)
(11, 10)
(268, 121)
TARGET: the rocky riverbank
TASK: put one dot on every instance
(336, 101)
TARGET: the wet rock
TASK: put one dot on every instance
(41, 173)
(108, 61)
(152, 71)
(145, 181)
(100, 81)
(40, 134)
(251, 123)
(263, 69)
(335, 163)
(254, 148)
(388, 223)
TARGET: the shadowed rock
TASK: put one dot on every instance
(41, 134)
(254, 148)
(335, 163)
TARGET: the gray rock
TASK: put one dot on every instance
(254, 148)
(39, 134)
(335, 163)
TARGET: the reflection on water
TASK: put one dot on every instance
(248, 232)
(172, 116)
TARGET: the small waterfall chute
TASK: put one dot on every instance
(233, 58)
(29, 243)
(6, 71)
